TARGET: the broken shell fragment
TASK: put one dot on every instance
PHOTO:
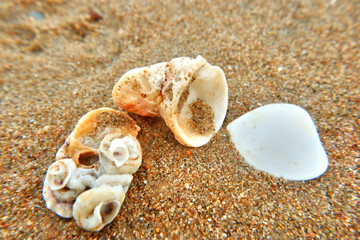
(96, 207)
(280, 139)
(138, 91)
(92, 128)
(120, 155)
(189, 94)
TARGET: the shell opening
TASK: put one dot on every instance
(88, 158)
(108, 211)
(204, 109)
(96, 207)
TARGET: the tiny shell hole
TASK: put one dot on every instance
(88, 158)
(107, 209)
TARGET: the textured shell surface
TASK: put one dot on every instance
(189, 94)
(113, 180)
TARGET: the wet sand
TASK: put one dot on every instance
(59, 60)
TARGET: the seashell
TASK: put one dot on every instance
(189, 94)
(59, 173)
(96, 207)
(61, 208)
(119, 154)
(139, 90)
(280, 139)
(83, 143)
(58, 196)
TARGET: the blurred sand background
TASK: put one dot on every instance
(60, 59)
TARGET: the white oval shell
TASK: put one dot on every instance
(280, 139)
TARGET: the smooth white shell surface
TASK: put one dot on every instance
(280, 139)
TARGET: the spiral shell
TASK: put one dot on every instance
(96, 207)
(120, 154)
(58, 196)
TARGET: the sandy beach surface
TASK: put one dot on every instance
(60, 59)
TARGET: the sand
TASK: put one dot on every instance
(61, 59)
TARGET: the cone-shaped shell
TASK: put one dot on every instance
(189, 94)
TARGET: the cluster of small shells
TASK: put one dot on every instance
(94, 167)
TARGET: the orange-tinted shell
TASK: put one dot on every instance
(83, 142)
